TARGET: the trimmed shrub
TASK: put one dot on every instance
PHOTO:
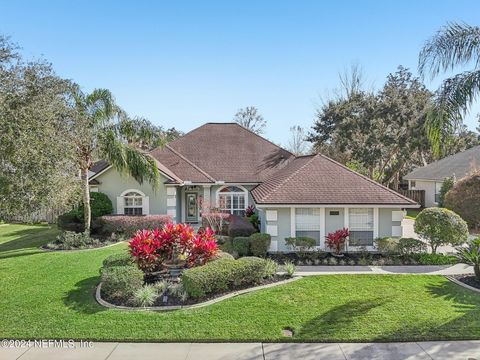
(213, 277)
(221, 275)
(301, 243)
(387, 245)
(464, 199)
(441, 227)
(119, 283)
(249, 270)
(129, 225)
(120, 259)
(223, 255)
(100, 205)
(241, 245)
(239, 226)
(407, 246)
(70, 240)
(259, 244)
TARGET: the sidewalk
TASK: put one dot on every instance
(456, 269)
(437, 350)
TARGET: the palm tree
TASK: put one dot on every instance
(452, 46)
(96, 134)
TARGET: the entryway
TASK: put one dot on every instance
(191, 207)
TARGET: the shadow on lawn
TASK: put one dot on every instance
(465, 326)
(82, 297)
(27, 241)
(337, 320)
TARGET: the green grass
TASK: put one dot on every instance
(412, 213)
(50, 295)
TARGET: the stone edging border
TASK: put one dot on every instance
(194, 306)
(75, 250)
(458, 282)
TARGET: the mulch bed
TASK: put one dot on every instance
(173, 301)
(468, 279)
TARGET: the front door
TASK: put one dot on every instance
(192, 207)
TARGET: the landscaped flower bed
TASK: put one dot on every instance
(175, 265)
(70, 240)
(322, 258)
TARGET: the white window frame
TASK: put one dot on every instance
(369, 225)
(232, 209)
(123, 205)
(309, 219)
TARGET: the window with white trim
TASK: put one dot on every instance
(307, 223)
(361, 227)
(232, 199)
(133, 203)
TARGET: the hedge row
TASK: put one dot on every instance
(256, 244)
(222, 275)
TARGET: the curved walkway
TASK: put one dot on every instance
(456, 269)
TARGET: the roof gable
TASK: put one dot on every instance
(460, 165)
(317, 179)
(225, 152)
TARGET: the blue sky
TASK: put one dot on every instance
(183, 63)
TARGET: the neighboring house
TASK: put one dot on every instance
(430, 177)
(225, 165)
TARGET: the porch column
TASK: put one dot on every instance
(206, 196)
(346, 223)
(322, 228)
(172, 202)
(375, 223)
(293, 230)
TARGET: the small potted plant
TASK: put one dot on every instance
(336, 241)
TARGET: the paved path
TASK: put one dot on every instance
(437, 350)
(456, 269)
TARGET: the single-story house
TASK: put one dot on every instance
(430, 177)
(227, 166)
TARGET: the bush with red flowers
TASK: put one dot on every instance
(336, 240)
(151, 249)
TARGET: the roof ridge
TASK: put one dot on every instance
(448, 157)
(190, 162)
(367, 178)
(289, 176)
(261, 137)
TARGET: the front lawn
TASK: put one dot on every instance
(50, 295)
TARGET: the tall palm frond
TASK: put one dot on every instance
(454, 45)
(126, 159)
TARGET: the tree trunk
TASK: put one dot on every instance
(434, 249)
(87, 212)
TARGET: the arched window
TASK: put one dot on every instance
(133, 202)
(233, 199)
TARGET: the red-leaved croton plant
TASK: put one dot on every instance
(173, 242)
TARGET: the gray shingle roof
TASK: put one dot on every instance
(224, 152)
(317, 179)
(460, 165)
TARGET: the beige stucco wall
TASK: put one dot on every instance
(113, 184)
